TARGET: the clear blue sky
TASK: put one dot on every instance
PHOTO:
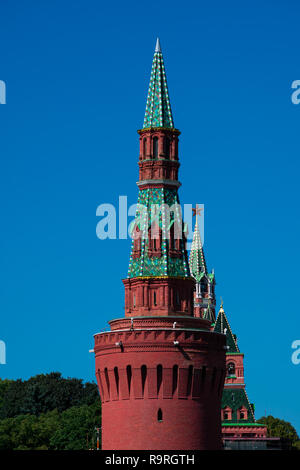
(77, 74)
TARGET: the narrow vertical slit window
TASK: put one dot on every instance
(116, 372)
(175, 379)
(159, 377)
(144, 376)
(107, 381)
(155, 147)
(190, 380)
(167, 147)
(129, 375)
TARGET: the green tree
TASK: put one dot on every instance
(76, 427)
(4, 384)
(43, 393)
(68, 430)
(279, 428)
(48, 411)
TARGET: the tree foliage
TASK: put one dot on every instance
(44, 393)
(48, 412)
(279, 428)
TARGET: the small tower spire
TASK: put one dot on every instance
(204, 298)
(222, 326)
(197, 259)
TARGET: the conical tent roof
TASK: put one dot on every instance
(158, 108)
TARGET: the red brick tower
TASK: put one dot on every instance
(160, 370)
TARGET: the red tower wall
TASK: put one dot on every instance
(140, 371)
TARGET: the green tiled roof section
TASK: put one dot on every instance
(158, 109)
(220, 325)
(235, 399)
(165, 265)
(197, 260)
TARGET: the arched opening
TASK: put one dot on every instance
(154, 240)
(242, 413)
(144, 147)
(155, 147)
(203, 286)
(230, 368)
(226, 414)
(172, 238)
(167, 147)
(174, 243)
(159, 415)
(136, 235)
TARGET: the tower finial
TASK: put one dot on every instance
(157, 47)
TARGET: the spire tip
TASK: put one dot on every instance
(157, 46)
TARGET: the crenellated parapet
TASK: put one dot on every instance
(145, 355)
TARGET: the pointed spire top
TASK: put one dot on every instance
(158, 109)
(197, 259)
(222, 326)
(157, 47)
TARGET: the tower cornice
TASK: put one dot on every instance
(158, 183)
(156, 129)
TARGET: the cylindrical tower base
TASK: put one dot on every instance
(160, 381)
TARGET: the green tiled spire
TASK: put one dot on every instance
(222, 326)
(145, 265)
(235, 399)
(197, 260)
(158, 109)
